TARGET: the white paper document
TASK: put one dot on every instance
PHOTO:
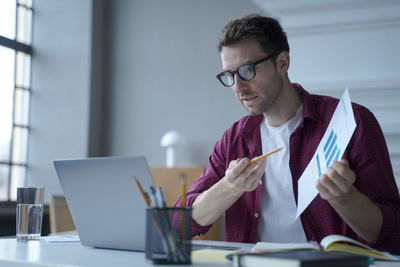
(61, 238)
(330, 148)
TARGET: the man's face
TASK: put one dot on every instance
(259, 94)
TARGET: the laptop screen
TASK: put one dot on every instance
(105, 204)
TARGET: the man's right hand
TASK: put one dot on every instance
(242, 177)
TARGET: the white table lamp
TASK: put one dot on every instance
(170, 141)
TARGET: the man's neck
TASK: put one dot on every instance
(286, 106)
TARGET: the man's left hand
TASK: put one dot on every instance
(337, 182)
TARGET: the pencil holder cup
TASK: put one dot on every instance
(168, 235)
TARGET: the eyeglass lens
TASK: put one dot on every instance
(245, 72)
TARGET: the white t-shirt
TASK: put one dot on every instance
(278, 221)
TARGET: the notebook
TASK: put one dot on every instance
(105, 204)
(299, 258)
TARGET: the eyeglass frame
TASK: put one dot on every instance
(253, 65)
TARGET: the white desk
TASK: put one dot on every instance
(43, 253)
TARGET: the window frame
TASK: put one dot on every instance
(26, 49)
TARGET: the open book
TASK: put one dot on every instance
(333, 243)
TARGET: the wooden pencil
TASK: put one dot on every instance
(265, 155)
(146, 200)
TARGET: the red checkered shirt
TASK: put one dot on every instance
(367, 155)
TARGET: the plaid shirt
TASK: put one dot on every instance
(367, 155)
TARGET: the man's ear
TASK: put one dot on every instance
(283, 62)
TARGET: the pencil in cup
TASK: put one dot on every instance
(145, 198)
(183, 191)
(183, 204)
(254, 160)
(157, 221)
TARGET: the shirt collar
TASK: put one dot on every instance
(309, 106)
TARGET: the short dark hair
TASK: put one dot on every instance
(265, 30)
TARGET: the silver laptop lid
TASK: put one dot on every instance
(105, 204)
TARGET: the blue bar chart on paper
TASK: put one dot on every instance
(331, 152)
(331, 148)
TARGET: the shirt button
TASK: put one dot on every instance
(260, 182)
(256, 215)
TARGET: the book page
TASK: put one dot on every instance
(330, 243)
(273, 247)
(330, 239)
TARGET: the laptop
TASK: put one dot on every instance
(104, 201)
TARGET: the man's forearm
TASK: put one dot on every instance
(360, 213)
(211, 204)
(240, 177)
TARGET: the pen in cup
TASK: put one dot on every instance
(158, 221)
(177, 252)
(163, 225)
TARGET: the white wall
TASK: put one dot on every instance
(60, 87)
(163, 77)
(348, 43)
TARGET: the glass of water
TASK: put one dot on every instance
(29, 213)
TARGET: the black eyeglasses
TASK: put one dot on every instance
(246, 72)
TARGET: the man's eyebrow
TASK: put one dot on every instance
(225, 69)
(247, 62)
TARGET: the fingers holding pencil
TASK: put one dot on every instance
(244, 175)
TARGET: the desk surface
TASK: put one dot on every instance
(44, 253)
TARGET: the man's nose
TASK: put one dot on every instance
(239, 84)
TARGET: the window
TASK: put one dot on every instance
(15, 72)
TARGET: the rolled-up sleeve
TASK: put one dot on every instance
(213, 172)
(371, 162)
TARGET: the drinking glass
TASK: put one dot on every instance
(29, 213)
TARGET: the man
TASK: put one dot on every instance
(358, 196)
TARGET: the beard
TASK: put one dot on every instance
(267, 95)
